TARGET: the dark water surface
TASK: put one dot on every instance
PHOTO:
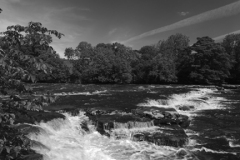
(214, 131)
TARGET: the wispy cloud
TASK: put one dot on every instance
(223, 36)
(227, 10)
(183, 13)
(19, 2)
(15, 1)
(112, 31)
(68, 13)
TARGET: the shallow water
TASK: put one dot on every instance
(214, 132)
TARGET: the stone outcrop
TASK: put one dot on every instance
(32, 117)
(185, 107)
(161, 126)
(229, 86)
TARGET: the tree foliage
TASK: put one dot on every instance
(231, 43)
(105, 63)
(60, 73)
(21, 54)
(211, 62)
(19, 58)
(69, 53)
(168, 61)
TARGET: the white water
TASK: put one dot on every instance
(232, 144)
(81, 93)
(66, 140)
(212, 151)
(199, 99)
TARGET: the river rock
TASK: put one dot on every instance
(71, 111)
(162, 116)
(33, 156)
(228, 86)
(167, 123)
(181, 153)
(105, 123)
(170, 136)
(27, 128)
(185, 107)
(32, 117)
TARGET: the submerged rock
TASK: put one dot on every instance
(33, 156)
(163, 116)
(26, 129)
(170, 136)
(167, 123)
(185, 107)
(181, 153)
(105, 123)
(32, 117)
(71, 111)
(229, 86)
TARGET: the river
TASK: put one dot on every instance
(213, 133)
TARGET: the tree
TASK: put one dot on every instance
(100, 68)
(124, 56)
(19, 59)
(69, 53)
(231, 43)
(144, 65)
(105, 63)
(185, 65)
(211, 63)
(83, 50)
(83, 53)
(21, 48)
(148, 52)
(173, 45)
(59, 71)
(169, 50)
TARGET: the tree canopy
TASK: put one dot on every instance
(168, 61)
(19, 57)
(211, 63)
(231, 43)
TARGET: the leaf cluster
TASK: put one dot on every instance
(21, 52)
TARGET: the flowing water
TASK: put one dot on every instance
(214, 131)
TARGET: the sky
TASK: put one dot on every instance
(135, 23)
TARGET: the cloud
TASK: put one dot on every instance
(225, 11)
(67, 14)
(15, 1)
(19, 2)
(223, 36)
(183, 13)
(112, 31)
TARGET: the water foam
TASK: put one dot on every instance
(81, 93)
(232, 144)
(212, 151)
(66, 140)
(199, 99)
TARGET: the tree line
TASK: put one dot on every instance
(168, 61)
(172, 60)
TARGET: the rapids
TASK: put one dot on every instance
(67, 140)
